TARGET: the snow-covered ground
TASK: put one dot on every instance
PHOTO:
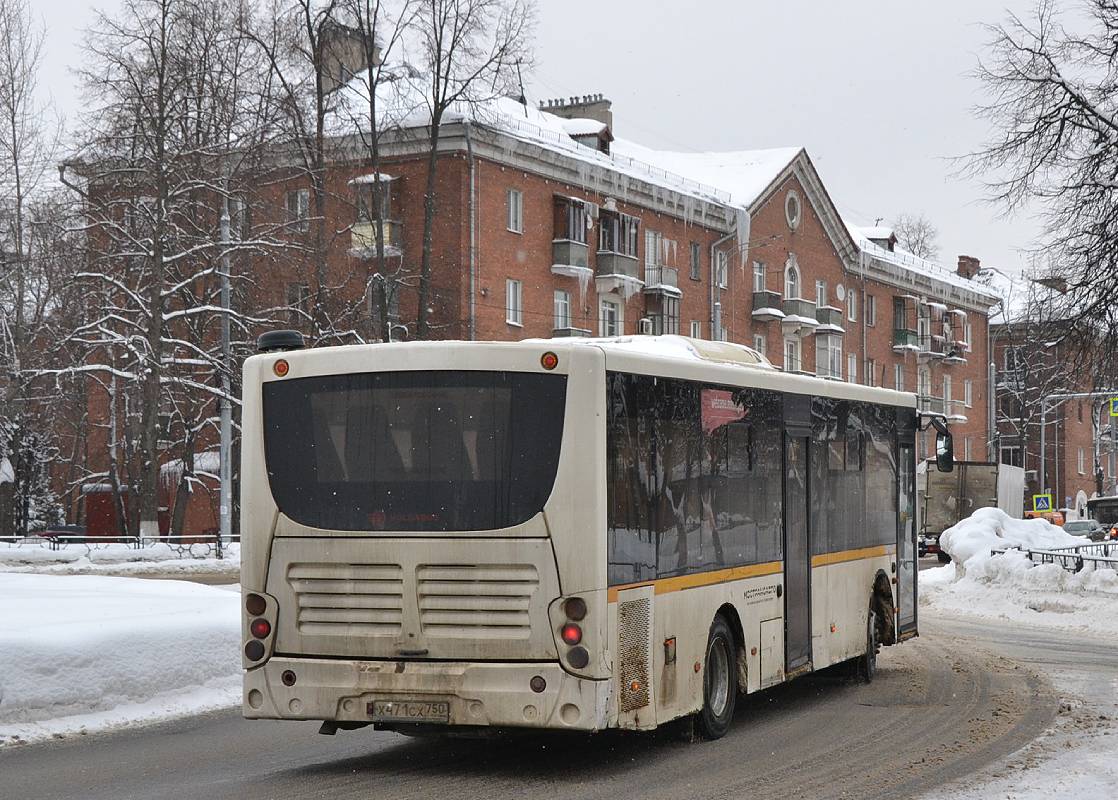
(1076, 756)
(118, 559)
(80, 653)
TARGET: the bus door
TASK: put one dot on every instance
(906, 535)
(797, 543)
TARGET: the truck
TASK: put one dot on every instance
(1105, 510)
(945, 498)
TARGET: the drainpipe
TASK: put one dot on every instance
(715, 306)
(866, 379)
(473, 252)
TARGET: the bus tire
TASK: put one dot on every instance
(867, 662)
(720, 681)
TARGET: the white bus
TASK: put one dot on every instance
(573, 534)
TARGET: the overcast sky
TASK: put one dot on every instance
(878, 92)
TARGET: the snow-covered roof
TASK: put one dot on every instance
(580, 126)
(877, 232)
(900, 257)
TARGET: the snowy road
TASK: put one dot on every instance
(959, 700)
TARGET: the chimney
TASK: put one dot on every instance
(587, 106)
(968, 266)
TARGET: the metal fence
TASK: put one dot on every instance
(197, 546)
(1101, 555)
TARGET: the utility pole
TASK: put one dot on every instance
(226, 499)
(1060, 397)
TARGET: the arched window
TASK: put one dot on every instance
(791, 281)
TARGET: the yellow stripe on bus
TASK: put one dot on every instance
(665, 585)
(851, 555)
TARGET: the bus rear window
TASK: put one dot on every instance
(413, 451)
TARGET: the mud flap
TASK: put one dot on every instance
(636, 691)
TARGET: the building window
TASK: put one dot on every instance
(514, 312)
(298, 301)
(1010, 358)
(871, 372)
(791, 282)
(1081, 462)
(900, 314)
(720, 269)
(366, 201)
(923, 382)
(759, 343)
(898, 377)
(299, 208)
(968, 393)
(665, 319)
(516, 211)
(820, 293)
(852, 305)
(947, 389)
(571, 217)
(852, 367)
(696, 265)
(792, 210)
(619, 233)
(696, 329)
(792, 354)
(609, 320)
(967, 333)
(1011, 454)
(562, 309)
(758, 276)
(871, 310)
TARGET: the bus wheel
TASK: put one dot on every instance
(720, 681)
(867, 664)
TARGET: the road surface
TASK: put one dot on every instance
(960, 697)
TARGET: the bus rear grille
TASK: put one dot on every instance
(347, 599)
(476, 600)
(634, 644)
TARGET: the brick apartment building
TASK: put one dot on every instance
(1035, 356)
(549, 225)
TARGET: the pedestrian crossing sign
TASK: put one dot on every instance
(1114, 406)
(1042, 502)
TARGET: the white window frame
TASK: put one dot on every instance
(968, 393)
(515, 216)
(614, 326)
(852, 367)
(923, 381)
(791, 282)
(1080, 461)
(562, 305)
(514, 302)
(696, 329)
(852, 305)
(759, 343)
(946, 390)
(820, 293)
(871, 372)
(299, 215)
(898, 377)
(720, 269)
(758, 276)
(793, 359)
(871, 310)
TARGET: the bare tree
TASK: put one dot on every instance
(1053, 104)
(27, 143)
(470, 52)
(916, 234)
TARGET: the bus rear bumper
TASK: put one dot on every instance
(477, 694)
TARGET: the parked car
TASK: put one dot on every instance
(56, 531)
(1091, 528)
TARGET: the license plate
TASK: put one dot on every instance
(409, 710)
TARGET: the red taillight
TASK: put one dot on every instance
(549, 360)
(260, 628)
(281, 368)
(571, 633)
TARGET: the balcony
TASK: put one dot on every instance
(799, 317)
(930, 404)
(617, 272)
(905, 340)
(830, 320)
(363, 239)
(955, 410)
(664, 280)
(766, 306)
(954, 354)
(931, 348)
(569, 331)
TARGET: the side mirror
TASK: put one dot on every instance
(945, 452)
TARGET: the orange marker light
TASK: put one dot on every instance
(549, 360)
(281, 367)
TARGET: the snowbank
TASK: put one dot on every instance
(992, 529)
(74, 559)
(83, 652)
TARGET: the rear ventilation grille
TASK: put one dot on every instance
(348, 599)
(633, 636)
(476, 600)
